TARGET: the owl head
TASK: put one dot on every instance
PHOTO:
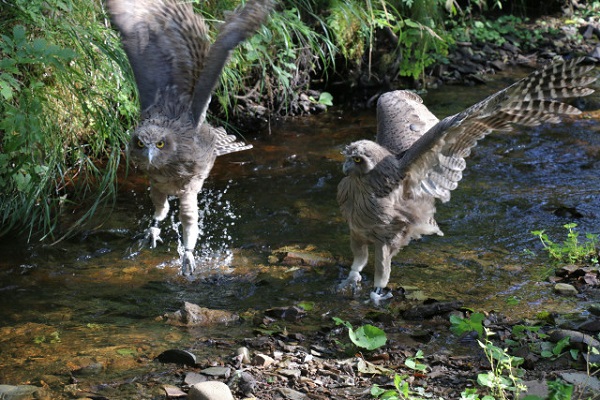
(362, 156)
(151, 146)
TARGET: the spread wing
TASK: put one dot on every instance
(402, 119)
(166, 44)
(236, 29)
(434, 164)
(168, 47)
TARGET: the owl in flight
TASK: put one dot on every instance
(176, 68)
(389, 191)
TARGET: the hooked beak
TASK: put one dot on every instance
(151, 154)
(346, 166)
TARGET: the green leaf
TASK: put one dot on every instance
(339, 321)
(307, 305)
(546, 354)
(368, 337)
(326, 99)
(412, 364)
(376, 391)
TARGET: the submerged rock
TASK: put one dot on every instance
(192, 314)
(22, 392)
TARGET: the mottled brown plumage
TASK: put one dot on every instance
(388, 196)
(176, 68)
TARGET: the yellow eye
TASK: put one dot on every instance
(357, 160)
(160, 144)
(140, 144)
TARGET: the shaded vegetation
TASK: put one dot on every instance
(68, 99)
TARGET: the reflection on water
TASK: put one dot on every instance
(90, 299)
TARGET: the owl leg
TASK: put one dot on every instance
(383, 262)
(360, 251)
(161, 209)
(188, 215)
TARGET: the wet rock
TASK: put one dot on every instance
(291, 313)
(498, 65)
(567, 212)
(177, 356)
(211, 390)
(428, 310)
(22, 392)
(217, 372)
(594, 309)
(565, 289)
(192, 314)
(297, 256)
(89, 370)
(192, 378)
(591, 325)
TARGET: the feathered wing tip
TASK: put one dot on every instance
(434, 164)
(533, 99)
(556, 81)
(226, 144)
(237, 28)
(165, 41)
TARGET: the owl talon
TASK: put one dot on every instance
(377, 296)
(188, 263)
(352, 282)
(153, 236)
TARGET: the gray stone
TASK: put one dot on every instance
(292, 394)
(290, 373)
(210, 390)
(537, 388)
(582, 380)
(222, 372)
(191, 378)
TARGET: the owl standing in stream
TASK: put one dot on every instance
(176, 68)
(388, 194)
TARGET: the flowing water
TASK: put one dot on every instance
(96, 300)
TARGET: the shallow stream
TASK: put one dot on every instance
(92, 300)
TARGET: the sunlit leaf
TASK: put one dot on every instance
(368, 337)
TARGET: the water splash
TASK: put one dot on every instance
(216, 216)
